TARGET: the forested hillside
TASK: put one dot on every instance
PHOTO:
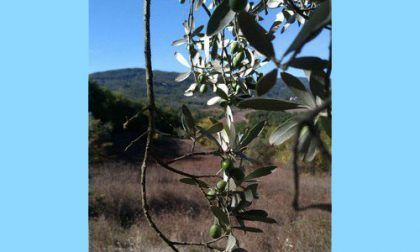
(130, 83)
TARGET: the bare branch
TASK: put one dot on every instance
(150, 131)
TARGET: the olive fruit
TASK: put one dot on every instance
(236, 174)
(238, 59)
(215, 231)
(234, 47)
(201, 78)
(238, 5)
(226, 164)
(221, 185)
(211, 194)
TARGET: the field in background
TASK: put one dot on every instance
(116, 222)
(115, 217)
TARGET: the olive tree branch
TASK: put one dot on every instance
(151, 121)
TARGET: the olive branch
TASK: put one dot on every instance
(236, 81)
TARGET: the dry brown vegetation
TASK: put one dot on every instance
(116, 222)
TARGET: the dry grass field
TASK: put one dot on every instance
(116, 222)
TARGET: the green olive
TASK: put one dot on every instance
(211, 194)
(221, 185)
(226, 164)
(215, 231)
(200, 79)
(234, 47)
(238, 59)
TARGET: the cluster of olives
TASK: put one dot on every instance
(212, 192)
(237, 50)
(237, 174)
(229, 169)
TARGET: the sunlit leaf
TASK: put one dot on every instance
(214, 100)
(283, 133)
(182, 76)
(181, 59)
(231, 242)
(179, 42)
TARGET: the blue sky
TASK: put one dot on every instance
(116, 34)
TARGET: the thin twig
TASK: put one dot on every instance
(134, 117)
(136, 140)
(174, 170)
(206, 9)
(191, 155)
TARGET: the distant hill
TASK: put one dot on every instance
(130, 82)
